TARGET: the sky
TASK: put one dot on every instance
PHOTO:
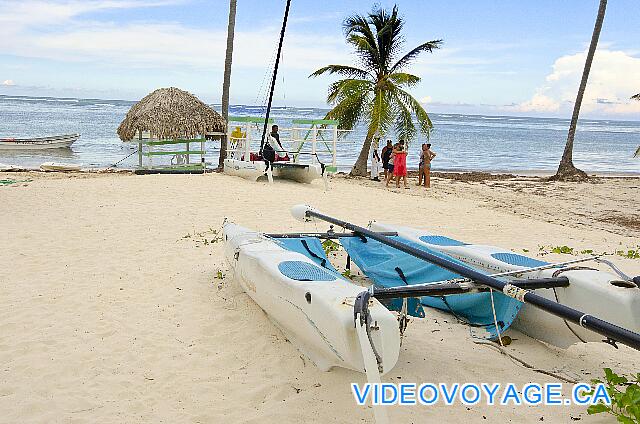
(498, 57)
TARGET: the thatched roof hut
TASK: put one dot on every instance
(169, 113)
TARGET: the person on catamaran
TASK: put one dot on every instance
(386, 157)
(375, 160)
(281, 153)
(426, 156)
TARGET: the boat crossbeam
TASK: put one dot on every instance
(585, 320)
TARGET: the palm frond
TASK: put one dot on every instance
(388, 33)
(380, 113)
(424, 122)
(404, 126)
(341, 89)
(429, 46)
(403, 79)
(344, 70)
(360, 36)
(350, 110)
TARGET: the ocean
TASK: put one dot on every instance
(461, 142)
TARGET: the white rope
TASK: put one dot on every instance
(495, 318)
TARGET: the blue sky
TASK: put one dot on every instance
(498, 57)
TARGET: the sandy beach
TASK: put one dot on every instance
(110, 309)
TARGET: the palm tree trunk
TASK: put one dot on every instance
(227, 78)
(566, 169)
(360, 167)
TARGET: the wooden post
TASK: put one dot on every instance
(335, 142)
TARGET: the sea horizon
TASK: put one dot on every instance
(463, 142)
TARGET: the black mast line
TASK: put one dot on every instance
(583, 319)
(275, 74)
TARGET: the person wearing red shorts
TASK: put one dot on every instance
(400, 164)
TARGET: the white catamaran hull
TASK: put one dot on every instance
(594, 292)
(55, 142)
(311, 305)
(249, 170)
(252, 170)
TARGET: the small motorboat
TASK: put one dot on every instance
(53, 142)
(60, 167)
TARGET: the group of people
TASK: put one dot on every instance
(394, 163)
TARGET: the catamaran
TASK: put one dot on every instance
(310, 151)
(53, 142)
(338, 323)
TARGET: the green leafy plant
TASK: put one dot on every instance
(625, 397)
(629, 254)
(347, 273)
(566, 250)
(330, 246)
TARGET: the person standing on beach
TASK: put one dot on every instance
(400, 164)
(425, 165)
(386, 157)
(375, 160)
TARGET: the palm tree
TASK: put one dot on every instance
(376, 92)
(227, 78)
(566, 169)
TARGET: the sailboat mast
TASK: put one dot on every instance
(275, 74)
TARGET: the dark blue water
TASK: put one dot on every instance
(462, 142)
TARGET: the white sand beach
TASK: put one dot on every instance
(110, 309)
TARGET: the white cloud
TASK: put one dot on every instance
(8, 83)
(426, 99)
(614, 77)
(148, 44)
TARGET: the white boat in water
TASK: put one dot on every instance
(311, 304)
(611, 297)
(53, 142)
(59, 166)
(295, 163)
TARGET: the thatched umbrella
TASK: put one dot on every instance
(169, 113)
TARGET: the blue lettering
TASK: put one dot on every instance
(491, 392)
(360, 397)
(423, 399)
(407, 394)
(463, 394)
(534, 398)
(385, 390)
(376, 394)
(510, 394)
(449, 396)
(579, 397)
(554, 394)
(600, 394)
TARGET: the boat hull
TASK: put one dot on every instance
(56, 142)
(595, 292)
(252, 170)
(316, 315)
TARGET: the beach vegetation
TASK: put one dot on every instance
(624, 392)
(374, 91)
(567, 171)
(330, 246)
